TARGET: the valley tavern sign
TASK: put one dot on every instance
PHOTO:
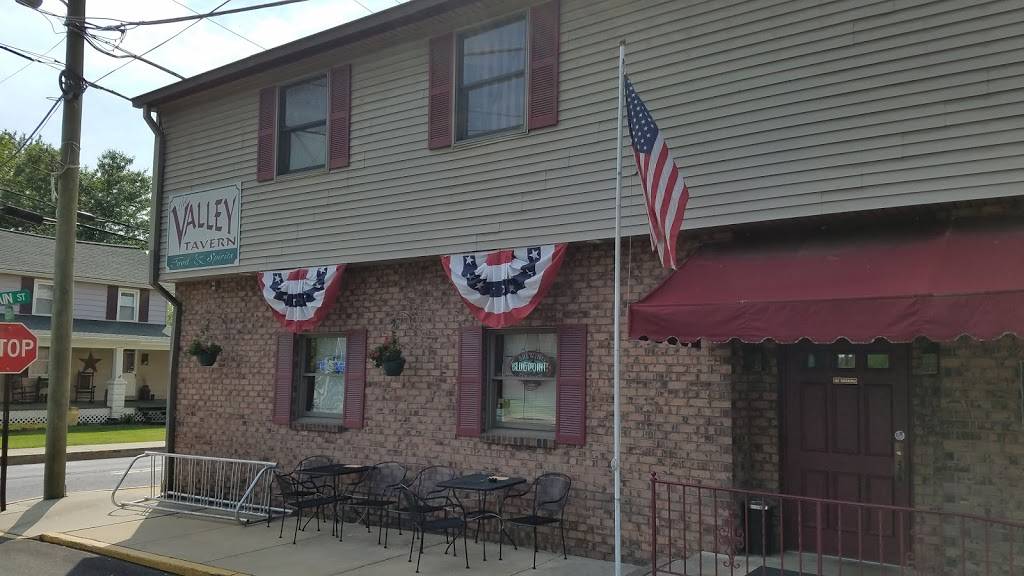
(202, 228)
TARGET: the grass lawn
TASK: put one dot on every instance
(93, 434)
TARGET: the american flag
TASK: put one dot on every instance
(664, 188)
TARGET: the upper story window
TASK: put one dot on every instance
(128, 305)
(302, 130)
(491, 81)
(42, 298)
(522, 380)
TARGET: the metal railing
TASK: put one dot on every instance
(702, 531)
(203, 486)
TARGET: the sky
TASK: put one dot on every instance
(110, 122)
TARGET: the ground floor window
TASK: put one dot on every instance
(128, 365)
(322, 380)
(521, 380)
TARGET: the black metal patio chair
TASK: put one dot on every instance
(314, 462)
(425, 486)
(377, 491)
(302, 495)
(426, 516)
(550, 495)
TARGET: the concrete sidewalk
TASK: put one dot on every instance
(222, 547)
(89, 452)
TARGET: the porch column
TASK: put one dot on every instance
(117, 385)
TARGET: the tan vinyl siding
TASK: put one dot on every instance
(157, 308)
(773, 109)
(90, 301)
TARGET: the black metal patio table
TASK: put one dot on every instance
(484, 485)
(335, 471)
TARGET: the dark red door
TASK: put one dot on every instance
(846, 418)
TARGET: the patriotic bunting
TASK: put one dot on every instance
(300, 298)
(502, 287)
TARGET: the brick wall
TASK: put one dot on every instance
(676, 402)
(756, 461)
(968, 454)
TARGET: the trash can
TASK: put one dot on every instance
(760, 528)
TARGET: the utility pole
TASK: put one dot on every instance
(72, 86)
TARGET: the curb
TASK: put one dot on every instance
(76, 456)
(147, 559)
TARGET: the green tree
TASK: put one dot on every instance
(113, 192)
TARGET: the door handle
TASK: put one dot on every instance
(899, 452)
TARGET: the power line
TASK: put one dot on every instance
(175, 35)
(57, 64)
(214, 22)
(19, 70)
(89, 38)
(33, 217)
(35, 131)
(123, 25)
(85, 215)
(18, 52)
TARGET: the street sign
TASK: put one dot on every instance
(15, 297)
(18, 348)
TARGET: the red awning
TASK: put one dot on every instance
(941, 285)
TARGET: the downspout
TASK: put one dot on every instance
(156, 205)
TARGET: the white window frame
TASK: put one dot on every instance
(457, 67)
(491, 422)
(280, 169)
(134, 292)
(303, 393)
(35, 295)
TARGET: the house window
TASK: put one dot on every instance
(302, 133)
(42, 298)
(127, 305)
(128, 364)
(322, 381)
(491, 94)
(523, 366)
(41, 367)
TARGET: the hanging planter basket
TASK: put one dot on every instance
(207, 357)
(389, 356)
(393, 367)
(204, 349)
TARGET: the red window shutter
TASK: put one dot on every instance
(470, 393)
(571, 400)
(544, 44)
(144, 305)
(355, 379)
(439, 113)
(112, 294)
(28, 283)
(340, 116)
(283, 380)
(265, 157)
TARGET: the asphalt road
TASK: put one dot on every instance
(32, 558)
(26, 481)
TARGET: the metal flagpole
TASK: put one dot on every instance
(615, 322)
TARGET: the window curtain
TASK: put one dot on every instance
(489, 55)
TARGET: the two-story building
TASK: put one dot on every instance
(119, 332)
(844, 325)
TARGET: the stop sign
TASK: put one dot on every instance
(18, 347)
